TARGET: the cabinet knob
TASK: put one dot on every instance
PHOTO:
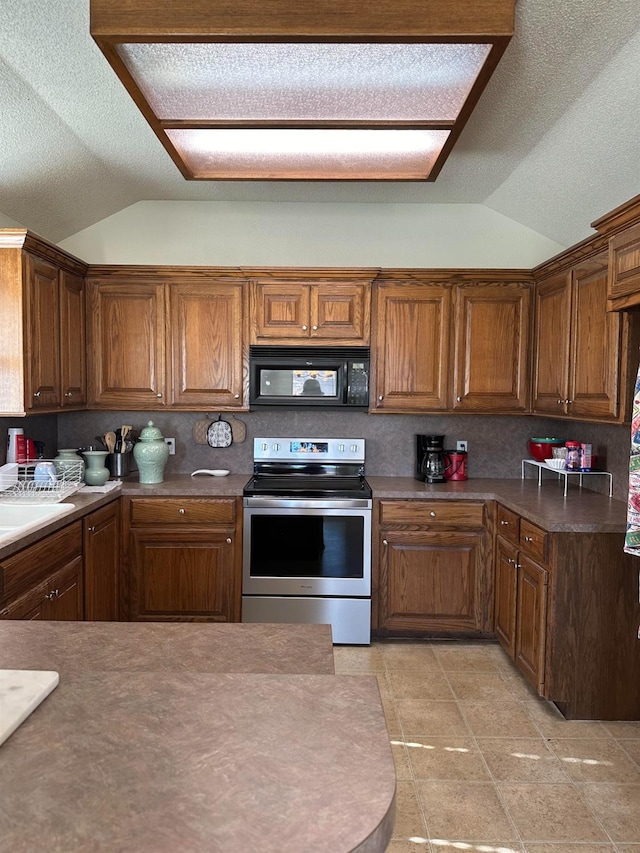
(315, 328)
(432, 514)
(518, 566)
(560, 402)
(304, 328)
(55, 593)
(568, 402)
(91, 529)
(511, 560)
(459, 399)
(159, 395)
(181, 511)
(67, 393)
(528, 539)
(380, 397)
(36, 393)
(504, 523)
(228, 541)
(385, 541)
(236, 396)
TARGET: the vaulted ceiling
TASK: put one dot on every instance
(553, 143)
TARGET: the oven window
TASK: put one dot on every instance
(291, 382)
(311, 546)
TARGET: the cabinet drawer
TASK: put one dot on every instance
(533, 540)
(508, 524)
(186, 511)
(27, 568)
(432, 513)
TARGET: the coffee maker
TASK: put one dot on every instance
(430, 458)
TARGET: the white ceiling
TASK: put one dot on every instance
(553, 143)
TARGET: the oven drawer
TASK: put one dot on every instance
(156, 511)
(432, 513)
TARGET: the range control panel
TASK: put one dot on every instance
(308, 449)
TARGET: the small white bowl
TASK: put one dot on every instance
(556, 464)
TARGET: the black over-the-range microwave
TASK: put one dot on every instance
(299, 376)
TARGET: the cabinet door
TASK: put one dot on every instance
(207, 334)
(411, 348)
(340, 312)
(127, 344)
(429, 581)
(595, 345)
(505, 595)
(42, 343)
(58, 598)
(531, 621)
(279, 312)
(73, 370)
(492, 334)
(182, 575)
(624, 267)
(552, 345)
(101, 538)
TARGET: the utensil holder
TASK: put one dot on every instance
(120, 464)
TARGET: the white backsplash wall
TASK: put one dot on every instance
(497, 444)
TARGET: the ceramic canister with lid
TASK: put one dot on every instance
(151, 453)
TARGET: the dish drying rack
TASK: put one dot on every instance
(19, 485)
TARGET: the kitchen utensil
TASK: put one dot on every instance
(125, 429)
(100, 440)
(110, 441)
(430, 458)
(238, 429)
(119, 464)
(214, 472)
(541, 449)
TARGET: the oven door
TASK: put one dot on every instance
(307, 547)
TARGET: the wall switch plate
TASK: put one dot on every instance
(172, 445)
(461, 445)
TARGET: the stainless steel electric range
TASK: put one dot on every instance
(307, 536)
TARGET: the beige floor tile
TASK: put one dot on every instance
(437, 718)
(623, 729)
(518, 685)
(452, 845)
(521, 760)
(543, 812)
(351, 659)
(464, 656)
(499, 719)
(416, 846)
(551, 723)
(632, 748)
(447, 758)
(409, 821)
(629, 848)
(409, 656)
(394, 727)
(595, 760)
(401, 759)
(419, 685)
(617, 807)
(476, 686)
(570, 848)
(468, 811)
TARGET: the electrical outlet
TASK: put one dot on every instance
(461, 445)
(172, 445)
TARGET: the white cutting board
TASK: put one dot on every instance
(21, 691)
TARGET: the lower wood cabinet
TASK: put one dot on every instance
(44, 581)
(181, 561)
(435, 574)
(101, 543)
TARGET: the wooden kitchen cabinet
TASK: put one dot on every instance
(410, 350)
(435, 575)
(290, 312)
(44, 581)
(491, 340)
(521, 595)
(182, 562)
(101, 546)
(579, 369)
(42, 326)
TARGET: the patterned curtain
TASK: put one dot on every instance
(632, 538)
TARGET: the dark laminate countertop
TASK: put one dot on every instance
(174, 755)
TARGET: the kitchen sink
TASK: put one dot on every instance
(20, 518)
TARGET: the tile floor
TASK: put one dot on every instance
(485, 766)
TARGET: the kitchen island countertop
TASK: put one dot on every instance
(174, 755)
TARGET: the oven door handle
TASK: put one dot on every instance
(298, 503)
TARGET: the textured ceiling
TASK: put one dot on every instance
(553, 143)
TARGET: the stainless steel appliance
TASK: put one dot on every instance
(320, 377)
(307, 536)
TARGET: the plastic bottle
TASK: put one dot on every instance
(573, 456)
(16, 448)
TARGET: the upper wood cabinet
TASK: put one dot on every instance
(621, 227)
(335, 312)
(492, 337)
(42, 326)
(159, 343)
(410, 351)
(578, 371)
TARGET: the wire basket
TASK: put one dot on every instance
(44, 481)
